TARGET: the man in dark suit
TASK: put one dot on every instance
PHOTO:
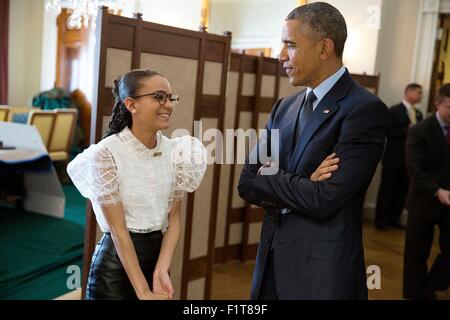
(428, 164)
(311, 238)
(394, 179)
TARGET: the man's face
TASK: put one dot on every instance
(300, 55)
(443, 108)
(414, 96)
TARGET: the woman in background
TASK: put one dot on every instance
(135, 178)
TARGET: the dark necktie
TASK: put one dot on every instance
(305, 115)
(448, 134)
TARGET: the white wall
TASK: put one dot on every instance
(254, 23)
(25, 50)
(258, 23)
(178, 13)
(396, 48)
(50, 38)
(362, 18)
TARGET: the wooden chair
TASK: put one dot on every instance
(62, 135)
(20, 110)
(44, 121)
(4, 113)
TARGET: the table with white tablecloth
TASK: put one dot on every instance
(24, 156)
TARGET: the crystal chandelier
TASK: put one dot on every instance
(84, 12)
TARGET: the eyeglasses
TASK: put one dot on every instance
(162, 97)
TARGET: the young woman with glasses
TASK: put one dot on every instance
(135, 178)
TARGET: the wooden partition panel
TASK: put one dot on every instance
(254, 85)
(196, 65)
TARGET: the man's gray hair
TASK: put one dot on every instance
(322, 21)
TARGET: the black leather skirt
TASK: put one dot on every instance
(107, 277)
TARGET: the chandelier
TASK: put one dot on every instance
(84, 12)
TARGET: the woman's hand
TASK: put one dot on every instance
(324, 171)
(162, 283)
(148, 295)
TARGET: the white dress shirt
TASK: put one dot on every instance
(410, 109)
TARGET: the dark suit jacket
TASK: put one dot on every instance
(318, 251)
(428, 165)
(394, 155)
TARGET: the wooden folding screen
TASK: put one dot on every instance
(196, 65)
(371, 83)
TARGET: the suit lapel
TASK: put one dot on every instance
(287, 130)
(323, 111)
(326, 108)
(405, 115)
(438, 131)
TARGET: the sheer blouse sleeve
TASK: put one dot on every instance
(190, 160)
(94, 173)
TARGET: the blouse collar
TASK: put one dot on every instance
(137, 146)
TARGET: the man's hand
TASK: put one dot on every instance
(324, 171)
(443, 196)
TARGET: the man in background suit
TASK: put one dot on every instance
(394, 179)
(311, 238)
(428, 164)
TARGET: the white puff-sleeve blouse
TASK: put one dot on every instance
(120, 169)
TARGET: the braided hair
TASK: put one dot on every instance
(125, 86)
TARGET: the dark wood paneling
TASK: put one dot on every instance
(119, 20)
(215, 51)
(265, 105)
(246, 103)
(367, 81)
(233, 252)
(250, 251)
(256, 110)
(108, 102)
(120, 36)
(196, 268)
(250, 64)
(89, 239)
(216, 177)
(235, 62)
(228, 253)
(136, 55)
(96, 133)
(191, 197)
(176, 45)
(209, 106)
(237, 215)
(270, 66)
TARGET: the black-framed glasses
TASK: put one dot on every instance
(162, 97)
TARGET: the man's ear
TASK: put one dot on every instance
(328, 48)
(130, 104)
